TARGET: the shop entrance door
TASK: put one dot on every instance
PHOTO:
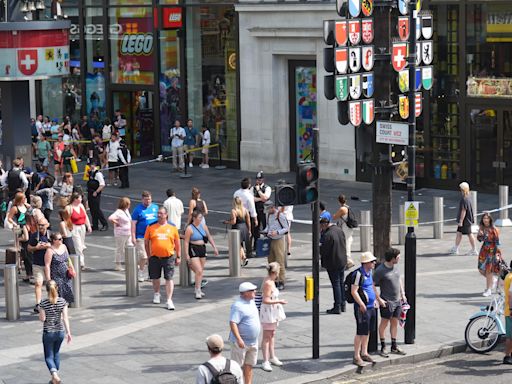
(491, 146)
(137, 109)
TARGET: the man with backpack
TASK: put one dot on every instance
(15, 179)
(218, 370)
(363, 295)
(334, 259)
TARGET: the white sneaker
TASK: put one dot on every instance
(190, 165)
(473, 252)
(156, 298)
(203, 294)
(266, 366)
(140, 277)
(206, 166)
(170, 305)
(198, 294)
(487, 293)
(454, 251)
(275, 361)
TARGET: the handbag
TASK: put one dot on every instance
(74, 166)
(263, 247)
(71, 270)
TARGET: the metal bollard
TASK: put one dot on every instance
(185, 272)
(131, 271)
(438, 217)
(402, 230)
(12, 295)
(365, 232)
(503, 221)
(77, 282)
(474, 202)
(234, 252)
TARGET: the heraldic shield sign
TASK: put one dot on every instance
(426, 26)
(342, 88)
(341, 32)
(403, 28)
(402, 6)
(354, 59)
(368, 57)
(367, 7)
(417, 104)
(341, 59)
(354, 113)
(354, 7)
(403, 80)
(368, 111)
(368, 32)
(418, 79)
(341, 7)
(403, 106)
(417, 61)
(427, 47)
(355, 86)
(354, 31)
(426, 77)
(399, 56)
(368, 84)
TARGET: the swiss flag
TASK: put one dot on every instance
(27, 61)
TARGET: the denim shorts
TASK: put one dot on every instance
(365, 321)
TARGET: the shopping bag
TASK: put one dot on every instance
(263, 247)
(74, 166)
(86, 173)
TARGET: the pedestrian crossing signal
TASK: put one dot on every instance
(307, 183)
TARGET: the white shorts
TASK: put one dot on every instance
(244, 356)
(141, 250)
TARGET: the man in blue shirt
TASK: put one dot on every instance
(143, 215)
(364, 294)
(190, 141)
(244, 321)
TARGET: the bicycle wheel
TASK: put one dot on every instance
(482, 334)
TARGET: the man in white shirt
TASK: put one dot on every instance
(112, 158)
(244, 193)
(205, 142)
(177, 136)
(218, 362)
(174, 208)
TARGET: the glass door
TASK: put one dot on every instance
(136, 107)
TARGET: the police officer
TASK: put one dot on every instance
(261, 193)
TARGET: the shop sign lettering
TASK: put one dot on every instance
(96, 29)
(137, 44)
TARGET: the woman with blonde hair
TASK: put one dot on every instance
(81, 224)
(271, 313)
(465, 221)
(122, 221)
(53, 312)
(66, 189)
(65, 228)
(36, 203)
(241, 220)
(196, 203)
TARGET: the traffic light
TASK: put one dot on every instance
(306, 183)
(285, 194)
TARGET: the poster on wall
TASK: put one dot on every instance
(305, 110)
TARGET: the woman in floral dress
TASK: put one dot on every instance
(489, 257)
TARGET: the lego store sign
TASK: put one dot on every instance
(137, 44)
(172, 18)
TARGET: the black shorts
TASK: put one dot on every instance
(112, 164)
(365, 321)
(34, 139)
(465, 229)
(57, 162)
(156, 264)
(392, 309)
(195, 250)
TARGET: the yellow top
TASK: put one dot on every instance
(508, 281)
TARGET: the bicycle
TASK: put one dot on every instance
(485, 328)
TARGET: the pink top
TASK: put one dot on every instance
(124, 220)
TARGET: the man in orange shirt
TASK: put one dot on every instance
(161, 241)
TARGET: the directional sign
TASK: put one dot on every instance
(391, 132)
(411, 213)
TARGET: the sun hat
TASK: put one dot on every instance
(367, 257)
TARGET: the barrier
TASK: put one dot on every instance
(185, 272)
(234, 252)
(438, 217)
(77, 282)
(12, 295)
(366, 231)
(131, 271)
(402, 229)
(503, 220)
(474, 202)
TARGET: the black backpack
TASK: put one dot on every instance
(351, 219)
(13, 180)
(347, 286)
(223, 377)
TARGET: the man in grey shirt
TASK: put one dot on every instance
(390, 298)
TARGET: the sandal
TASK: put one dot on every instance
(367, 358)
(359, 362)
(244, 262)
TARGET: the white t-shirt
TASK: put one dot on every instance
(175, 209)
(247, 200)
(206, 138)
(204, 375)
(39, 128)
(175, 140)
(106, 132)
(112, 148)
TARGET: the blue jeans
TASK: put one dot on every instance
(51, 344)
(337, 276)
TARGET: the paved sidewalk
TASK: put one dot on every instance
(130, 340)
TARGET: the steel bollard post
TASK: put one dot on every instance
(503, 220)
(234, 252)
(474, 202)
(185, 272)
(365, 232)
(402, 229)
(438, 217)
(131, 271)
(12, 295)
(77, 282)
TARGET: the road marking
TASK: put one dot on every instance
(450, 272)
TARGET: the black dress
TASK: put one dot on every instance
(241, 225)
(59, 273)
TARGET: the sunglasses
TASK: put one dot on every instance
(58, 239)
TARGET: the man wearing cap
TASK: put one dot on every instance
(465, 220)
(363, 292)
(334, 259)
(277, 227)
(244, 321)
(261, 193)
(215, 345)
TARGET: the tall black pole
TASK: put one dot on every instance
(410, 238)
(316, 256)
